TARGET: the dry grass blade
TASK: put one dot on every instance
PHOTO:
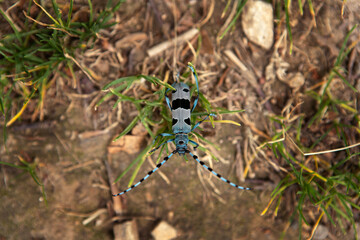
(332, 150)
(173, 42)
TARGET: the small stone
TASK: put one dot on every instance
(164, 231)
(321, 233)
(127, 230)
(49, 147)
(128, 143)
(296, 80)
(258, 23)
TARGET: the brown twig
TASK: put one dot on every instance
(167, 44)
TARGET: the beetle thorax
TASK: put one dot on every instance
(181, 141)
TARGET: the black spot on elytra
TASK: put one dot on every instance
(187, 121)
(180, 103)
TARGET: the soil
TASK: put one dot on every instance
(71, 147)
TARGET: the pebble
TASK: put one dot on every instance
(321, 233)
(258, 23)
(296, 80)
(164, 231)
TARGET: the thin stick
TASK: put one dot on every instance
(167, 44)
(210, 13)
(235, 60)
(332, 150)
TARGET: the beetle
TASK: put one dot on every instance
(181, 127)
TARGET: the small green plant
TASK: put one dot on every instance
(334, 190)
(30, 168)
(287, 8)
(31, 56)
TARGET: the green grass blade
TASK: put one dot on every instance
(288, 27)
(328, 215)
(123, 97)
(91, 12)
(241, 4)
(2, 108)
(340, 212)
(108, 95)
(12, 26)
(342, 53)
(206, 141)
(147, 128)
(282, 181)
(137, 159)
(282, 189)
(300, 7)
(204, 102)
(140, 163)
(340, 58)
(13, 165)
(57, 13)
(120, 80)
(311, 8)
(155, 80)
(128, 128)
(34, 176)
(345, 81)
(226, 7)
(347, 209)
(301, 217)
(70, 13)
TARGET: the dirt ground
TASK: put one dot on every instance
(76, 159)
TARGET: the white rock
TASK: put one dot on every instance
(164, 231)
(258, 23)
